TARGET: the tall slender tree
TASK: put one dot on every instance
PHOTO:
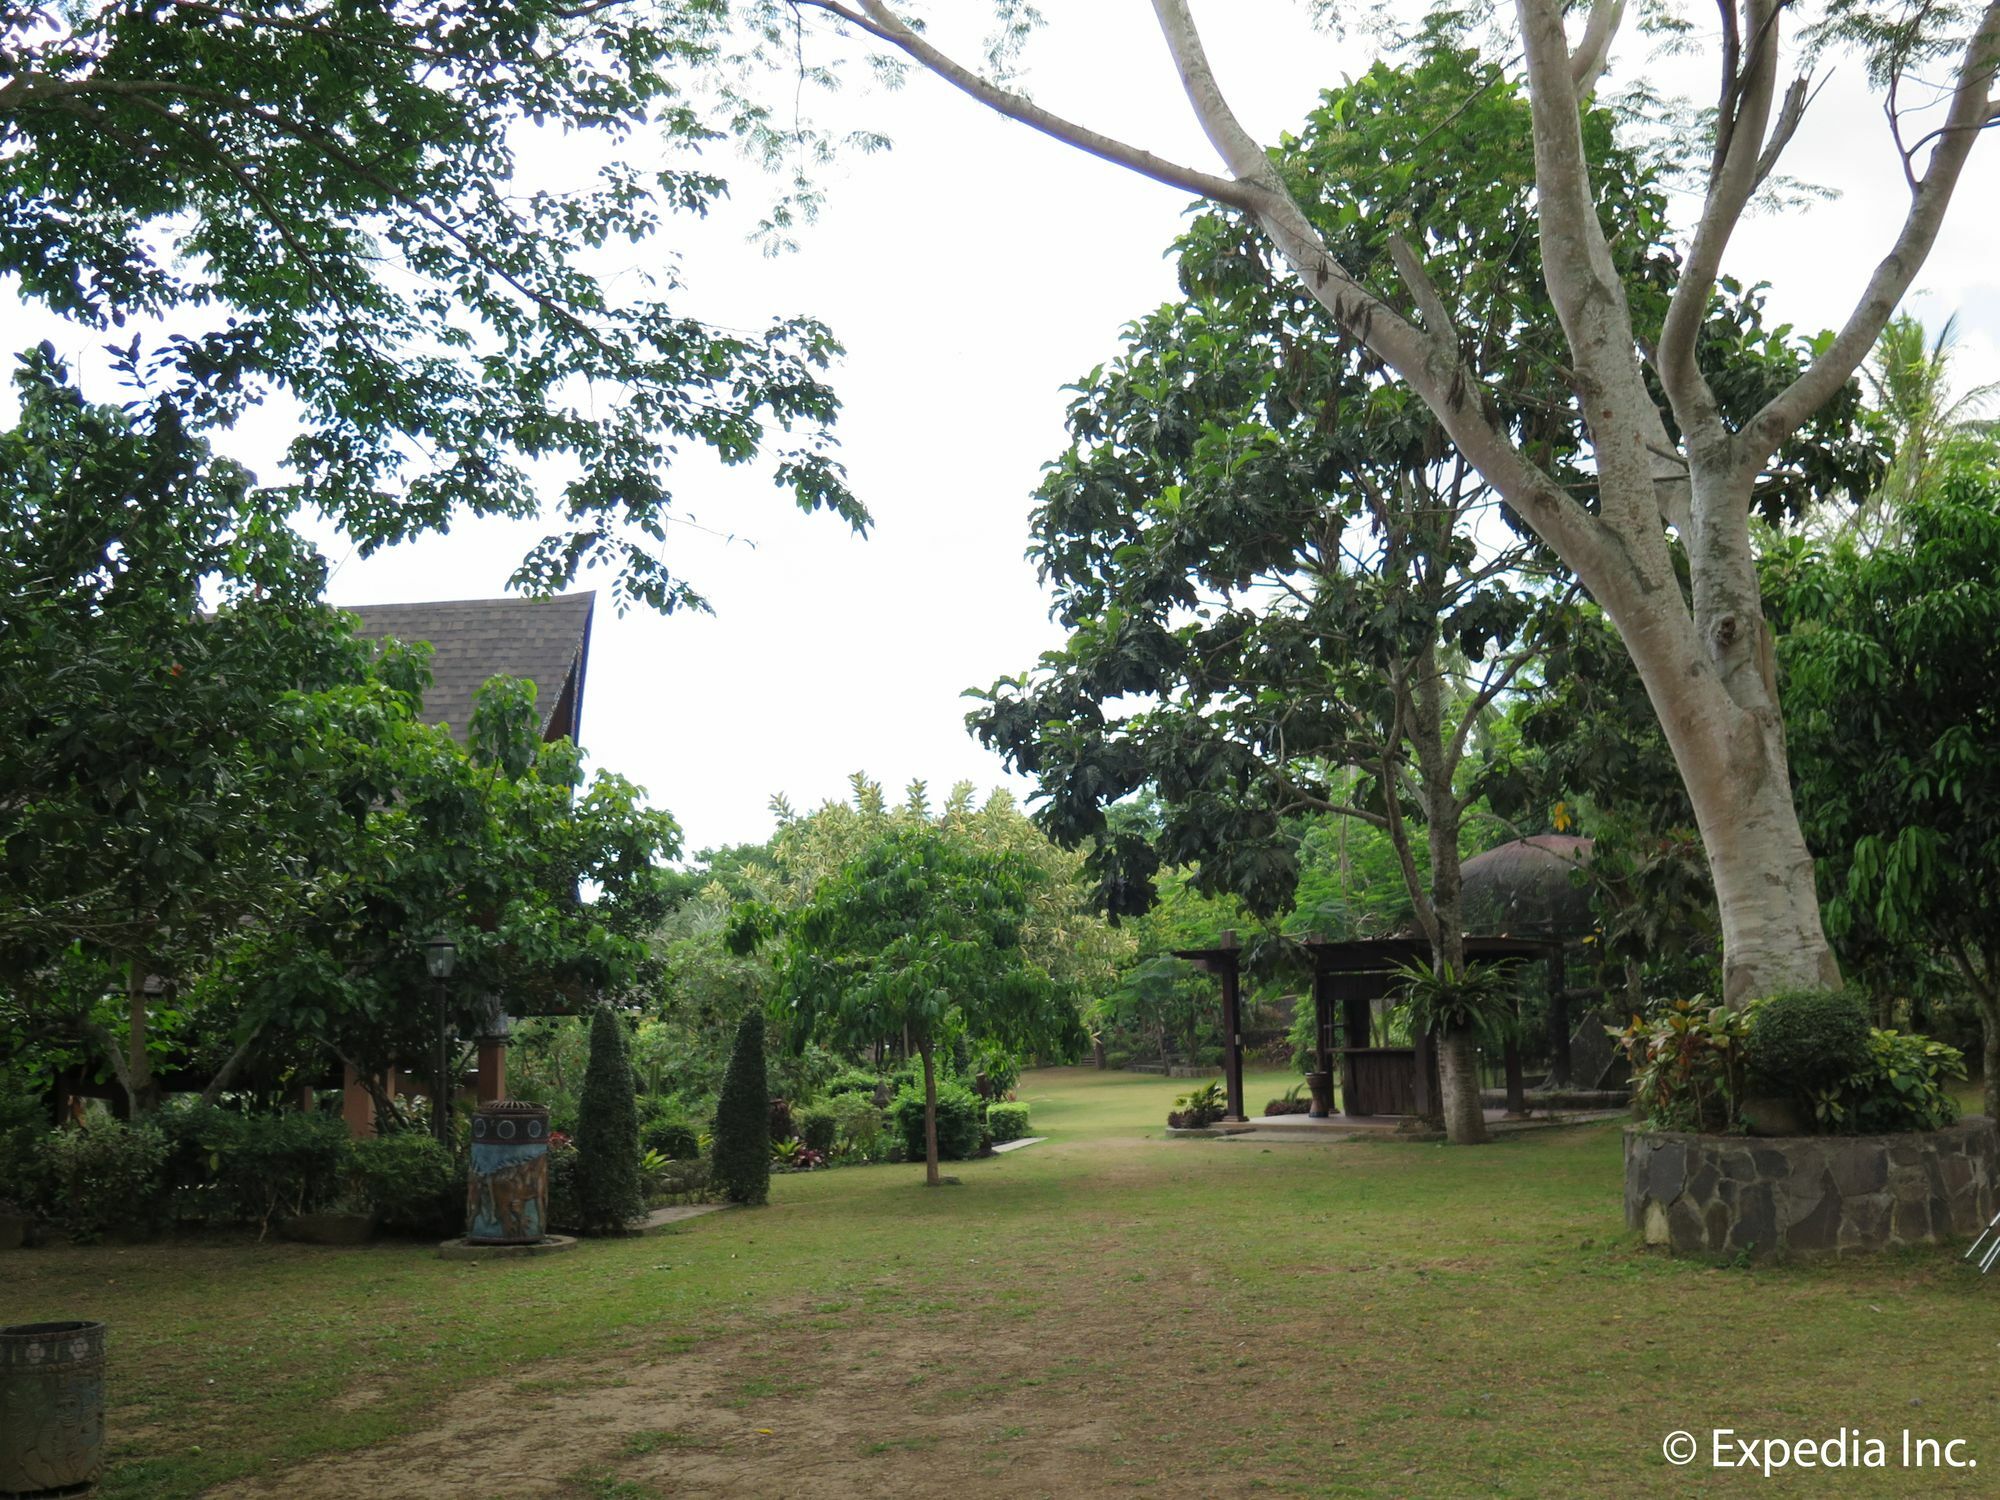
(1669, 459)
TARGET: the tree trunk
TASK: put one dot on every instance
(1458, 1058)
(1711, 675)
(1458, 1076)
(931, 1177)
(140, 1089)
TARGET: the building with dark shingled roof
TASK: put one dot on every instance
(546, 641)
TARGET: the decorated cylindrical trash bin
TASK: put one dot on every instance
(51, 1407)
(507, 1190)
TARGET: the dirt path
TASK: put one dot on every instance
(938, 1408)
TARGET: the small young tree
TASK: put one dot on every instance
(742, 1165)
(921, 933)
(607, 1133)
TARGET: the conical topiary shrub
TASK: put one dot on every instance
(742, 1167)
(608, 1196)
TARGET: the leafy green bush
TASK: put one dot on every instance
(1006, 1122)
(564, 1212)
(676, 1140)
(1904, 1086)
(957, 1121)
(1198, 1109)
(608, 1194)
(23, 1122)
(853, 1081)
(997, 1069)
(227, 1167)
(103, 1176)
(414, 1185)
(1687, 1063)
(1802, 1043)
(858, 1126)
(818, 1126)
(742, 1149)
(1477, 998)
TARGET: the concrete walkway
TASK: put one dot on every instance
(674, 1213)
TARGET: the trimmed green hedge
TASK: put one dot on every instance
(1006, 1122)
(1803, 1042)
(958, 1121)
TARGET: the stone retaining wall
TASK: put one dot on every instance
(1796, 1195)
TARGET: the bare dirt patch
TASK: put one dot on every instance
(923, 1410)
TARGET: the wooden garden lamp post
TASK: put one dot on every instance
(440, 955)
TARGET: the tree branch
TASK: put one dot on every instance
(1970, 111)
(1742, 115)
(1593, 48)
(880, 22)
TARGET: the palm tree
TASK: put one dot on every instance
(1921, 420)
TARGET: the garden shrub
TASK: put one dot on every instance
(1905, 1085)
(998, 1069)
(563, 1212)
(608, 1195)
(276, 1165)
(675, 1139)
(858, 1125)
(1293, 1101)
(413, 1184)
(1687, 1063)
(853, 1081)
(1006, 1122)
(104, 1176)
(958, 1121)
(817, 1126)
(782, 1128)
(742, 1149)
(226, 1167)
(1803, 1042)
(1199, 1109)
(23, 1122)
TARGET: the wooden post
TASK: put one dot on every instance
(1424, 1046)
(1354, 1005)
(1232, 1038)
(1322, 1029)
(492, 1069)
(357, 1105)
(1517, 1090)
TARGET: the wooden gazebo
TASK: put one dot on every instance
(1349, 976)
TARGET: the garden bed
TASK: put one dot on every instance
(1805, 1195)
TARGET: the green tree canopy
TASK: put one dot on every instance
(323, 197)
(1890, 660)
(922, 931)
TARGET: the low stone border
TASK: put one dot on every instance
(1016, 1145)
(1812, 1194)
(553, 1244)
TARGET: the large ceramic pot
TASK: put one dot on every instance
(51, 1406)
(507, 1189)
(1321, 1085)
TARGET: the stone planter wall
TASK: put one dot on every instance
(1796, 1195)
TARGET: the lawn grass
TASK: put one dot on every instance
(1107, 1312)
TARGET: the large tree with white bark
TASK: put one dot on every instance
(1670, 466)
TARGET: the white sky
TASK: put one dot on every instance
(971, 272)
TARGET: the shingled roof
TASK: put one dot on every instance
(546, 641)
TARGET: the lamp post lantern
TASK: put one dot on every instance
(440, 954)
